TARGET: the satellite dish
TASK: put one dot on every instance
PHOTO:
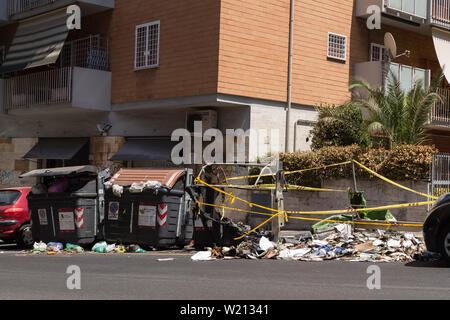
(389, 43)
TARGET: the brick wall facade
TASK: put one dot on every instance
(188, 49)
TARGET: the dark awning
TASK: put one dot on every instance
(54, 172)
(145, 149)
(56, 148)
(38, 41)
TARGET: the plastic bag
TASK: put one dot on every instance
(100, 247)
(56, 245)
(120, 249)
(111, 248)
(74, 248)
(40, 245)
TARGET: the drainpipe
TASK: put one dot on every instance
(289, 84)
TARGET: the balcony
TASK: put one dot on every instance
(440, 115)
(80, 79)
(440, 13)
(411, 15)
(21, 9)
(397, 12)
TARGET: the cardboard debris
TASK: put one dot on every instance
(342, 244)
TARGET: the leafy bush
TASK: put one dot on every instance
(339, 126)
(403, 162)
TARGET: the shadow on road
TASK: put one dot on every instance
(428, 264)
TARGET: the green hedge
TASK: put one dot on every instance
(403, 162)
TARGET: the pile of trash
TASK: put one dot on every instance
(103, 247)
(53, 248)
(339, 244)
(137, 187)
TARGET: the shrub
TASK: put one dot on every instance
(339, 126)
(403, 162)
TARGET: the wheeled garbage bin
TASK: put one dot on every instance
(149, 207)
(67, 205)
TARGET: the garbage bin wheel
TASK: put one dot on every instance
(444, 243)
(24, 236)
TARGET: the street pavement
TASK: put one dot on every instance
(142, 276)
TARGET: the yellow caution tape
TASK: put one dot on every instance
(198, 180)
(272, 187)
(392, 182)
(351, 210)
(291, 172)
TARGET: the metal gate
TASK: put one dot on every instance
(440, 174)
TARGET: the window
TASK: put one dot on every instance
(147, 46)
(337, 46)
(9, 197)
(408, 75)
(415, 7)
(378, 53)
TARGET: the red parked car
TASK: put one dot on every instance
(15, 225)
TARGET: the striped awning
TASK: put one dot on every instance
(38, 41)
(441, 41)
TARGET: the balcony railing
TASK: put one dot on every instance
(90, 52)
(19, 6)
(440, 114)
(55, 86)
(440, 13)
(42, 88)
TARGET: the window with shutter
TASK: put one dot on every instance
(147, 45)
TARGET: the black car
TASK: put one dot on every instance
(436, 229)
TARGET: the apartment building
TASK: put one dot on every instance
(112, 92)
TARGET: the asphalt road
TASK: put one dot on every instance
(142, 276)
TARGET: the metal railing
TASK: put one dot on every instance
(55, 86)
(440, 13)
(90, 52)
(42, 88)
(440, 114)
(440, 174)
(19, 6)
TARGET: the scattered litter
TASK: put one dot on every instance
(74, 248)
(110, 248)
(134, 248)
(55, 246)
(202, 256)
(40, 245)
(100, 247)
(117, 190)
(265, 244)
(166, 259)
(120, 249)
(341, 243)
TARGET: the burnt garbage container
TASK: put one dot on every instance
(149, 207)
(67, 204)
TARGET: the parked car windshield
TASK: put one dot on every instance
(9, 197)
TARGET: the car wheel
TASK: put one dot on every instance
(24, 236)
(444, 243)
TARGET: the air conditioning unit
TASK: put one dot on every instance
(207, 117)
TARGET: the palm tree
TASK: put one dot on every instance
(399, 115)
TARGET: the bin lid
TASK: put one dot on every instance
(167, 177)
(64, 171)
